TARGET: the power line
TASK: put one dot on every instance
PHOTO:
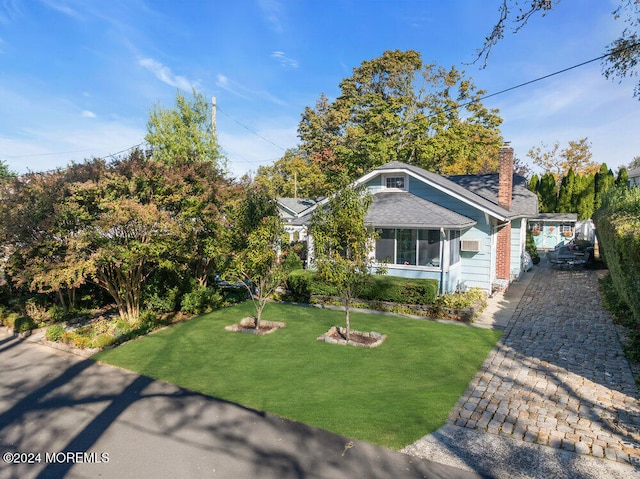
(249, 129)
(554, 73)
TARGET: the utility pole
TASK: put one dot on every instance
(213, 116)
(295, 184)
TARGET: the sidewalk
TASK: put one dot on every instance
(556, 396)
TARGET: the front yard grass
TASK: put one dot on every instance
(391, 395)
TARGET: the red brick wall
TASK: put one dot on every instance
(503, 255)
(505, 192)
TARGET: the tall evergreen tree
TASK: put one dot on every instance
(547, 193)
(603, 182)
(565, 195)
(623, 177)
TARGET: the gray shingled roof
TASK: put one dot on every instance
(297, 205)
(481, 190)
(556, 217)
(405, 210)
(523, 201)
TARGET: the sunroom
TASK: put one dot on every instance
(417, 238)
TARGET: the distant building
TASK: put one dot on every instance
(634, 177)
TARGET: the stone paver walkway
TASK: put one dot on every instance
(559, 376)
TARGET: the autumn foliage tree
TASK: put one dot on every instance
(395, 107)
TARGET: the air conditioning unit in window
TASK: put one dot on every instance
(470, 245)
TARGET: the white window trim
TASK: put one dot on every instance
(395, 175)
(444, 254)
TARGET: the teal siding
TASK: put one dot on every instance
(475, 268)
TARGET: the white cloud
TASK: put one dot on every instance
(88, 114)
(284, 60)
(164, 74)
(272, 11)
(235, 88)
(63, 7)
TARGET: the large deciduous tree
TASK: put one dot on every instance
(183, 133)
(576, 155)
(344, 243)
(36, 234)
(293, 176)
(124, 231)
(395, 107)
(194, 188)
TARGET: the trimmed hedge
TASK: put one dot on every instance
(304, 284)
(618, 229)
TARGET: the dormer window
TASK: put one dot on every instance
(395, 182)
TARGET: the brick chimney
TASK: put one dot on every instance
(505, 193)
(505, 181)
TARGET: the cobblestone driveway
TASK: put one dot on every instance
(559, 376)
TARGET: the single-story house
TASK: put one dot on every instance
(464, 231)
(634, 177)
(296, 213)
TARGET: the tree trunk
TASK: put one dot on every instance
(346, 310)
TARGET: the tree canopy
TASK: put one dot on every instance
(183, 133)
(576, 156)
(395, 107)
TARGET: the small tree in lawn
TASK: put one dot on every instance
(256, 263)
(343, 244)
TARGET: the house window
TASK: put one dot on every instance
(454, 247)
(386, 247)
(429, 247)
(410, 247)
(406, 246)
(395, 182)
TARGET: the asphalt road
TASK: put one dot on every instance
(64, 416)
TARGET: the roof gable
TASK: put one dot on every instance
(444, 184)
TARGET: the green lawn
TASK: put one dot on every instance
(391, 395)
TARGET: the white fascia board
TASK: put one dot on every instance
(453, 194)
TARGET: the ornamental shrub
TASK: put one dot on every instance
(103, 340)
(304, 284)
(200, 300)
(618, 229)
(24, 323)
(54, 333)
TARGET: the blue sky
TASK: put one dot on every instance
(78, 77)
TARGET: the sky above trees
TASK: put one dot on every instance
(78, 79)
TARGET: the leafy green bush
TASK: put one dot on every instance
(8, 318)
(103, 340)
(24, 323)
(461, 300)
(292, 262)
(618, 228)
(162, 301)
(304, 284)
(36, 311)
(54, 333)
(201, 300)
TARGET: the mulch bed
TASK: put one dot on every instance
(337, 335)
(248, 325)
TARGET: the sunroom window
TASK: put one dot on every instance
(411, 247)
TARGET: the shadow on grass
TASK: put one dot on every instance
(154, 429)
